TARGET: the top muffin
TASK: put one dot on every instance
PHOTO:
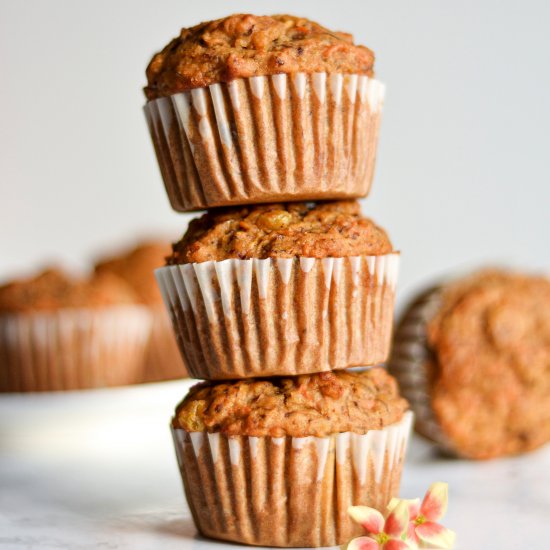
(52, 289)
(136, 267)
(331, 229)
(245, 45)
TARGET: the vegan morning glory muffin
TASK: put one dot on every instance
(59, 332)
(136, 266)
(277, 462)
(473, 358)
(281, 289)
(251, 109)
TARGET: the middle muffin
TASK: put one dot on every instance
(281, 289)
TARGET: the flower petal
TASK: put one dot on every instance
(434, 505)
(398, 520)
(414, 506)
(395, 544)
(370, 519)
(433, 535)
(362, 543)
(412, 538)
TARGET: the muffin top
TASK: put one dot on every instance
(308, 405)
(331, 229)
(490, 342)
(245, 45)
(136, 267)
(53, 289)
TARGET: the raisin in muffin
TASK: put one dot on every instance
(281, 289)
(58, 332)
(472, 356)
(136, 266)
(251, 109)
(301, 449)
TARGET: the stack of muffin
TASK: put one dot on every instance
(271, 298)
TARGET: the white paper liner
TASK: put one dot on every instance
(288, 492)
(267, 139)
(284, 316)
(72, 348)
(409, 361)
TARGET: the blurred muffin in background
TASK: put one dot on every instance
(472, 356)
(136, 266)
(58, 332)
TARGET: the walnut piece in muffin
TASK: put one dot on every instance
(245, 45)
(331, 229)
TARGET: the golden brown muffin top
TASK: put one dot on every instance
(136, 267)
(331, 229)
(245, 45)
(308, 405)
(53, 289)
(490, 340)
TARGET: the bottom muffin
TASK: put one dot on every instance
(278, 462)
(472, 357)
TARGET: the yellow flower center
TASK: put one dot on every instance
(420, 519)
(382, 538)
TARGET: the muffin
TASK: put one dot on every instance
(473, 358)
(252, 109)
(62, 333)
(281, 289)
(136, 266)
(277, 462)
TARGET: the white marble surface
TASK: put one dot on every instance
(96, 470)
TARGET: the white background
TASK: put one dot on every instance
(463, 176)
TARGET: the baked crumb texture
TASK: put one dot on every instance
(472, 356)
(309, 405)
(244, 45)
(331, 229)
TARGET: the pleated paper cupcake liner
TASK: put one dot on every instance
(268, 139)
(409, 363)
(163, 359)
(288, 491)
(73, 348)
(285, 316)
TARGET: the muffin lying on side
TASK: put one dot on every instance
(473, 358)
(277, 462)
(62, 333)
(281, 289)
(251, 109)
(136, 266)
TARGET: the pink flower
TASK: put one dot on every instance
(386, 534)
(424, 531)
